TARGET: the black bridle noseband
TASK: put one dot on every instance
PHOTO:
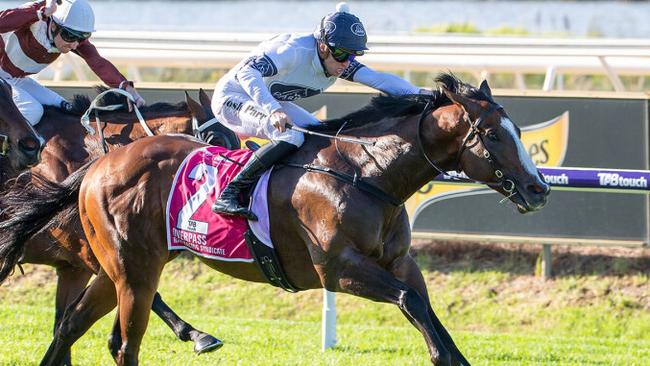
(472, 132)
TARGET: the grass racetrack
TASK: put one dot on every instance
(596, 311)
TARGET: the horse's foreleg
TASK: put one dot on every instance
(360, 276)
(70, 283)
(93, 303)
(203, 342)
(405, 269)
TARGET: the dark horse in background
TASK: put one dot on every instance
(67, 149)
(327, 232)
(20, 145)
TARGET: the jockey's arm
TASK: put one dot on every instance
(106, 71)
(12, 19)
(103, 68)
(250, 79)
(384, 82)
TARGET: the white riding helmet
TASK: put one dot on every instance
(76, 15)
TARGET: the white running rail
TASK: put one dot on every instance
(481, 56)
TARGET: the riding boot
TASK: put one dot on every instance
(262, 159)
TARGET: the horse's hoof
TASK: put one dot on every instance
(206, 343)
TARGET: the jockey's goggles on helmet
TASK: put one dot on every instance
(70, 35)
(342, 55)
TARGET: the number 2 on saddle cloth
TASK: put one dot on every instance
(191, 224)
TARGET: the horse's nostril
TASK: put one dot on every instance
(538, 189)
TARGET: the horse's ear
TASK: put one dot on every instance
(195, 108)
(485, 88)
(469, 105)
(206, 102)
(204, 98)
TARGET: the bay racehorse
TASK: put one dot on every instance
(68, 148)
(328, 233)
(20, 145)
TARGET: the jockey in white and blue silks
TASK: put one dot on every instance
(256, 97)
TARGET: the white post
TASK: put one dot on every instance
(329, 319)
(549, 79)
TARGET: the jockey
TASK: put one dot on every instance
(255, 97)
(34, 35)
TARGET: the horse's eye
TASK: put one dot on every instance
(492, 135)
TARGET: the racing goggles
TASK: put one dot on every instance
(70, 35)
(342, 55)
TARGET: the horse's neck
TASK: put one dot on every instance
(395, 163)
(158, 123)
(177, 122)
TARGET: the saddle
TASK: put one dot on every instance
(191, 225)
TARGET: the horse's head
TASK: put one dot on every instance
(489, 148)
(18, 140)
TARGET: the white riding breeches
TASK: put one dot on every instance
(238, 112)
(30, 96)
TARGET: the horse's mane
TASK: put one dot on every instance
(386, 106)
(81, 103)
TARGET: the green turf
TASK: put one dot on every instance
(495, 320)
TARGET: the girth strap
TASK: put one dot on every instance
(268, 262)
(354, 181)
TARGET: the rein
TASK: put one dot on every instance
(85, 119)
(335, 137)
(353, 180)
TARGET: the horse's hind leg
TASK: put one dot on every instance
(71, 281)
(93, 303)
(203, 342)
(405, 269)
(360, 276)
(135, 297)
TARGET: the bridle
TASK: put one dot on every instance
(4, 145)
(506, 184)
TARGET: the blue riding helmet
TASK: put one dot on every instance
(344, 31)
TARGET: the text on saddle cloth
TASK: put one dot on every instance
(191, 224)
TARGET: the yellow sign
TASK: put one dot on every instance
(545, 142)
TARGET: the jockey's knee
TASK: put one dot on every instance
(293, 137)
(33, 114)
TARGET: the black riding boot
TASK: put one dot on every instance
(262, 159)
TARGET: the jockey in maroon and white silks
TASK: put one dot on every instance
(256, 97)
(34, 35)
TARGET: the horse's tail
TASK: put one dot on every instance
(32, 208)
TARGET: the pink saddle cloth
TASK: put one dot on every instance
(191, 224)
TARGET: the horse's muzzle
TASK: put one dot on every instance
(532, 196)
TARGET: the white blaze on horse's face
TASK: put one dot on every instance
(524, 158)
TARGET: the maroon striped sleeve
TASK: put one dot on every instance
(12, 19)
(106, 71)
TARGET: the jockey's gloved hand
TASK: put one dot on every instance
(128, 87)
(50, 7)
(279, 119)
(66, 106)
